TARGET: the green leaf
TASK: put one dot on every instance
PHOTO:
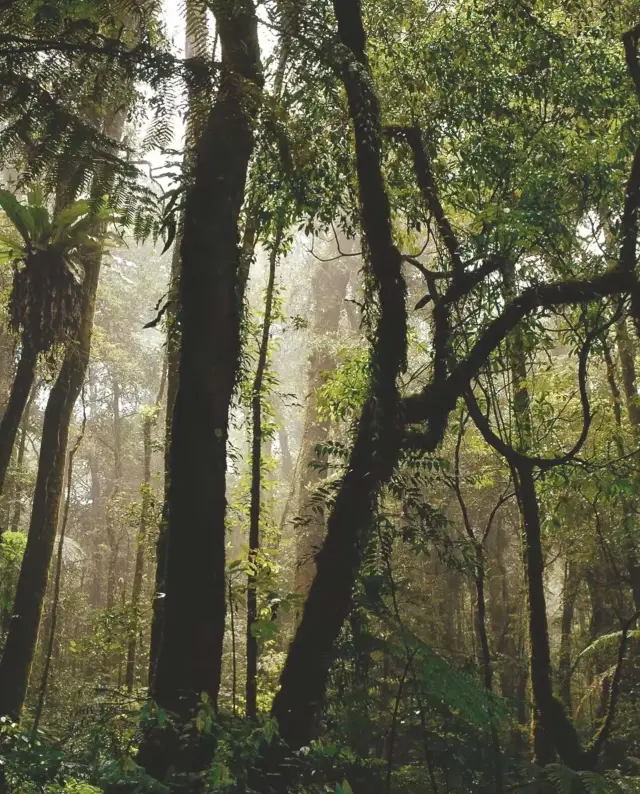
(67, 216)
(605, 642)
(18, 215)
(41, 224)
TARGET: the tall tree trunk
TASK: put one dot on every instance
(19, 485)
(190, 657)
(196, 47)
(112, 516)
(32, 582)
(22, 383)
(376, 448)
(251, 689)
(553, 730)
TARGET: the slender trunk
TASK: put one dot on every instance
(141, 540)
(568, 607)
(251, 689)
(23, 629)
(376, 448)
(148, 424)
(234, 659)
(481, 617)
(553, 731)
(44, 681)
(17, 494)
(190, 657)
(603, 621)
(22, 383)
(112, 516)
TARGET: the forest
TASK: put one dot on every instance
(319, 396)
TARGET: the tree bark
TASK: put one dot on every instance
(196, 42)
(553, 731)
(376, 448)
(190, 657)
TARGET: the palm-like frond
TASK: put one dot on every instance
(45, 297)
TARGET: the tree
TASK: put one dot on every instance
(377, 443)
(209, 309)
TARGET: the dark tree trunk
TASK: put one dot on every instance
(22, 383)
(251, 689)
(376, 448)
(190, 657)
(195, 48)
(481, 618)
(553, 731)
(23, 629)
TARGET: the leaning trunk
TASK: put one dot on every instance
(377, 445)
